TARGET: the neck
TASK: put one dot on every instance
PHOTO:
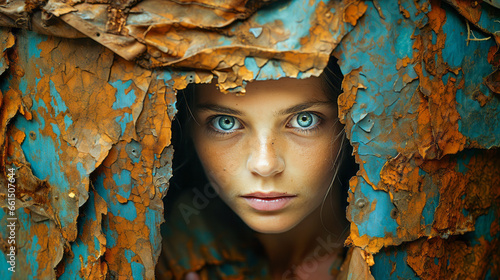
(311, 238)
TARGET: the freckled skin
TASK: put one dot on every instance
(266, 153)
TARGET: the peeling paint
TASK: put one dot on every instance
(87, 101)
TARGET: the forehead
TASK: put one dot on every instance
(284, 91)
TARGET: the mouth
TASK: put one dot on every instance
(272, 201)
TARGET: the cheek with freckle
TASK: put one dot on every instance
(220, 167)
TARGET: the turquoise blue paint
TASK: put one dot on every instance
(489, 20)
(251, 65)
(465, 102)
(224, 41)
(123, 121)
(111, 235)
(81, 170)
(431, 203)
(125, 210)
(36, 105)
(358, 50)
(455, 43)
(366, 103)
(43, 155)
(482, 228)
(72, 266)
(271, 70)
(59, 105)
(137, 268)
(379, 222)
(4, 273)
(97, 244)
(446, 78)
(256, 31)
(34, 40)
(31, 255)
(480, 124)
(123, 179)
(129, 254)
(166, 74)
(164, 171)
(24, 219)
(483, 225)
(23, 85)
(295, 16)
(56, 130)
(384, 261)
(379, 99)
(153, 219)
(373, 165)
(123, 100)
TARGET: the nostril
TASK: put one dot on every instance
(265, 158)
(266, 165)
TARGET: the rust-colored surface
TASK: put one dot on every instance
(76, 113)
(418, 168)
(87, 101)
(430, 258)
(217, 37)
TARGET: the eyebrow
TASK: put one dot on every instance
(218, 109)
(286, 111)
(303, 106)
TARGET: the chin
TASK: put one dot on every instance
(270, 231)
(270, 226)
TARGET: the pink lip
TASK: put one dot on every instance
(271, 201)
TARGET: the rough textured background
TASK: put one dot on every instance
(86, 123)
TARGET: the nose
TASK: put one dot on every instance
(264, 159)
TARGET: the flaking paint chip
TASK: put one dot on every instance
(256, 31)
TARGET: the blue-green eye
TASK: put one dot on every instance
(225, 123)
(304, 120)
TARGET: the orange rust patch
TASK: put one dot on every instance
(354, 11)
(437, 16)
(453, 258)
(346, 100)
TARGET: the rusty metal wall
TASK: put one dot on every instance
(422, 110)
(88, 96)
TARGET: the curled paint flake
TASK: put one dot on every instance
(256, 31)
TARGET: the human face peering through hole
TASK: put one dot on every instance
(268, 154)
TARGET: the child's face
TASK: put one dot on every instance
(268, 154)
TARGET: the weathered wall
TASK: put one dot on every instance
(86, 123)
(420, 121)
